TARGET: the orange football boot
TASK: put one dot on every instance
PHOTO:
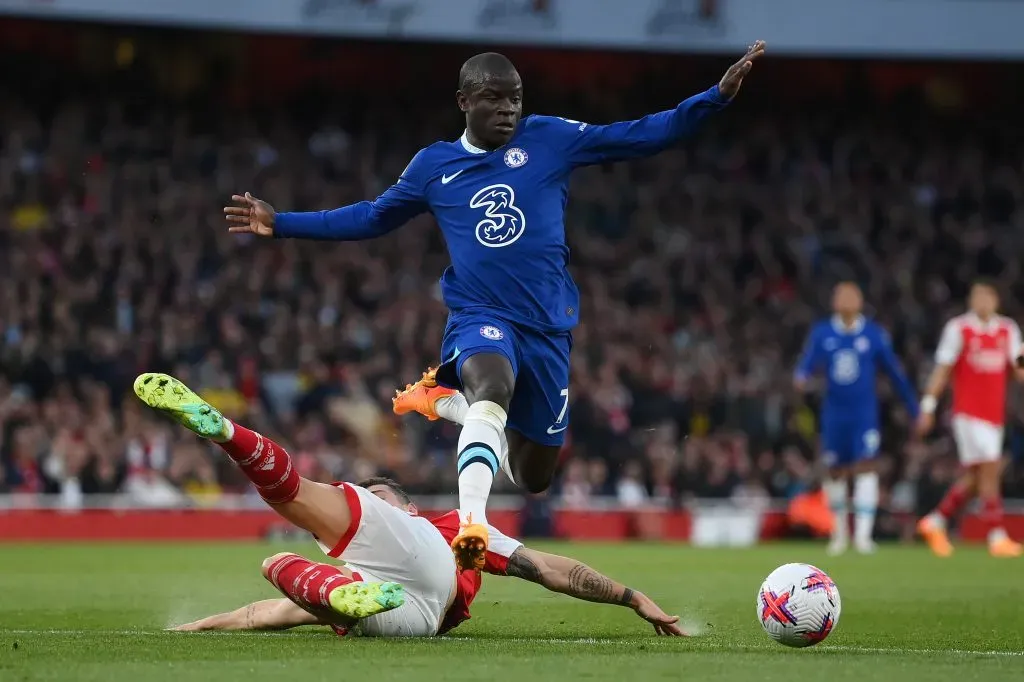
(936, 537)
(470, 545)
(422, 396)
(1005, 547)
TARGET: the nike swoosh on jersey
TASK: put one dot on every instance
(552, 430)
(445, 179)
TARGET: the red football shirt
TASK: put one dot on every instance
(981, 355)
(499, 548)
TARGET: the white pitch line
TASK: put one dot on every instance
(923, 652)
(130, 633)
(589, 641)
(768, 647)
(541, 640)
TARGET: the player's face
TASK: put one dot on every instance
(493, 110)
(388, 495)
(984, 301)
(847, 300)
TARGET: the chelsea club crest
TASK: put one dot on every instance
(492, 333)
(516, 157)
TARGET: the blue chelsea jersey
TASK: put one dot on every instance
(502, 216)
(850, 358)
(502, 212)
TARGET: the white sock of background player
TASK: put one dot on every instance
(453, 408)
(836, 493)
(865, 505)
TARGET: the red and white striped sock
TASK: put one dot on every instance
(307, 583)
(265, 463)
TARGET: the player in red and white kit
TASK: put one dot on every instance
(399, 577)
(399, 550)
(976, 352)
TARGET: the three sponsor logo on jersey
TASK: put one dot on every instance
(503, 222)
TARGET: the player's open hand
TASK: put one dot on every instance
(733, 78)
(663, 623)
(250, 215)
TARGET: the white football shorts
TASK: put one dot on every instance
(386, 544)
(977, 441)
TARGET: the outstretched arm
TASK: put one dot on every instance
(590, 144)
(400, 203)
(576, 579)
(364, 220)
(269, 614)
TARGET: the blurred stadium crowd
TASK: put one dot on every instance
(701, 272)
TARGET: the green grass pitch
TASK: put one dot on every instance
(96, 612)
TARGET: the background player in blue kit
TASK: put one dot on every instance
(498, 194)
(849, 347)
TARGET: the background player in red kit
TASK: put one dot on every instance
(976, 352)
(400, 578)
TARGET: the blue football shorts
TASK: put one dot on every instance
(540, 362)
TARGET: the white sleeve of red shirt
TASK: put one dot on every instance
(499, 548)
(1013, 348)
(951, 343)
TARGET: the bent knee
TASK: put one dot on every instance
(533, 465)
(535, 481)
(269, 562)
(536, 486)
(489, 377)
(495, 390)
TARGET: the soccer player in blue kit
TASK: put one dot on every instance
(850, 347)
(498, 194)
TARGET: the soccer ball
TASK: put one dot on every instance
(798, 605)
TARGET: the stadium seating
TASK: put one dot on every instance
(700, 271)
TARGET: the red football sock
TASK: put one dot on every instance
(265, 463)
(992, 512)
(956, 497)
(305, 582)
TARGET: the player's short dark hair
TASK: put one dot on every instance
(391, 483)
(986, 282)
(480, 68)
